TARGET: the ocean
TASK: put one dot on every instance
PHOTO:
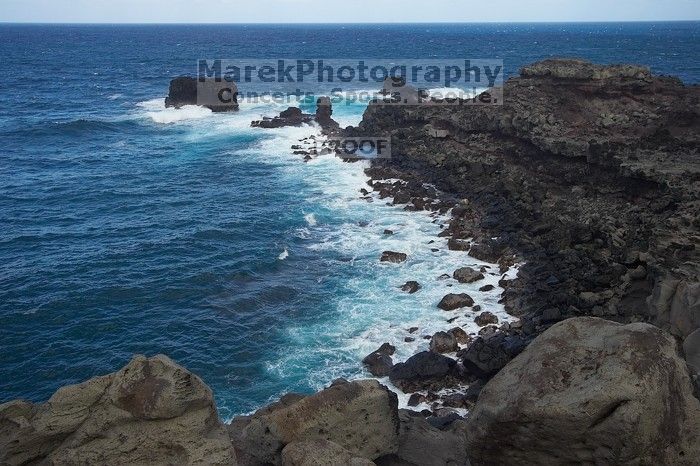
(126, 227)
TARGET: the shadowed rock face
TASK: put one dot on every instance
(218, 97)
(588, 174)
(589, 391)
(151, 411)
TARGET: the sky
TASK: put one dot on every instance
(343, 11)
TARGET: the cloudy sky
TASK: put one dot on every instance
(337, 11)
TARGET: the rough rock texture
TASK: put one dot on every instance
(467, 275)
(486, 318)
(443, 342)
(361, 417)
(324, 110)
(422, 370)
(410, 287)
(454, 301)
(588, 174)
(421, 444)
(589, 391)
(379, 362)
(320, 453)
(395, 257)
(152, 411)
(185, 90)
(293, 116)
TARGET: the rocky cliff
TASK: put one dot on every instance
(589, 174)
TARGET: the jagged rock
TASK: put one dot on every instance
(422, 444)
(410, 287)
(443, 342)
(185, 90)
(455, 301)
(293, 116)
(589, 391)
(422, 370)
(152, 411)
(361, 417)
(395, 257)
(324, 110)
(462, 337)
(489, 354)
(486, 318)
(379, 362)
(467, 275)
(320, 453)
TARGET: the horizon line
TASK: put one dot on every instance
(175, 23)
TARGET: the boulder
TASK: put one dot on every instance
(410, 287)
(379, 362)
(152, 411)
(320, 453)
(455, 301)
(422, 371)
(217, 96)
(589, 391)
(486, 318)
(443, 342)
(490, 353)
(462, 337)
(422, 444)
(361, 417)
(691, 349)
(394, 257)
(467, 275)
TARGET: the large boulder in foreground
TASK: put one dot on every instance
(216, 96)
(589, 391)
(152, 411)
(320, 453)
(360, 417)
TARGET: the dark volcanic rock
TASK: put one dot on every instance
(395, 257)
(218, 97)
(467, 275)
(410, 287)
(443, 342)
(379, 363)
(586, 174)
(324, 110)
(487, 355)
(486, 318)
(455, 301)
(421, 371)
(293, 116)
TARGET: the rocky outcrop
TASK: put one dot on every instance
(150, 412)
(324, 110)
(379, 362)
(360, 417)
(587, 175)
(293, 116)
(217, 96)
(422, 371)
(589, 391)
(421, 444)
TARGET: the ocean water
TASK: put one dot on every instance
(129, 228)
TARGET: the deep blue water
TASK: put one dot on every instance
(127, 228)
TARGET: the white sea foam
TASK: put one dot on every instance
(157, 111)
(283, 255)
(310, 220)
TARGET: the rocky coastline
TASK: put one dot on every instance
(588, 179)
